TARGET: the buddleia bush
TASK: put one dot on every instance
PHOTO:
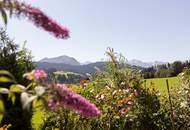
(119, 93)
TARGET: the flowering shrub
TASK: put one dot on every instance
(179, 106)
(118, 92)
(54, 96)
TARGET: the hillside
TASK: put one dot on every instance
(81, 69)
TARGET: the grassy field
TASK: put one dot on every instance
(160, 84)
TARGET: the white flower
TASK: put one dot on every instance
(26, 100)
(122, 83)
(40, 90)
(102, 97)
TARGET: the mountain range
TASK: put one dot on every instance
(70, 64)
(139, 63)
(73, 62)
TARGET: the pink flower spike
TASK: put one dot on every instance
(42, 20)
(39, 18)
(80, 105)
(76, 102)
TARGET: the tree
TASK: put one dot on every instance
(177, 67)
(17, 62)
(14, 60)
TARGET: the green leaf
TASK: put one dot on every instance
(17, 88)
(116, 117)
(5, 73)
(2, 109)
(1, 117)
(12, 97)
(5, 80)
(6, 77)
(4, 16)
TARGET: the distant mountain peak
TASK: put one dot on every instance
(86, 63)
(64, 59)
(140, 63)
(64, 56)
(61, 59)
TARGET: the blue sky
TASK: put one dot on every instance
(147, 30)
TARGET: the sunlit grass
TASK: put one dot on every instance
(160, 84)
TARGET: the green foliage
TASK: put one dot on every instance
(14, 60)
(2, 110)
(146, 113)
(68, 77)
(17, 62)
(181, 101)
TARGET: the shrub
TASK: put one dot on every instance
(123, 101)
(181, 102)
(48, 96)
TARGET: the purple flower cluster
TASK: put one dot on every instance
(74, 102)
(35, 15)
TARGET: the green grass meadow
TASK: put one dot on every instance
(160, 84)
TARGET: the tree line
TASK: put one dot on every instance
(165, 70)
